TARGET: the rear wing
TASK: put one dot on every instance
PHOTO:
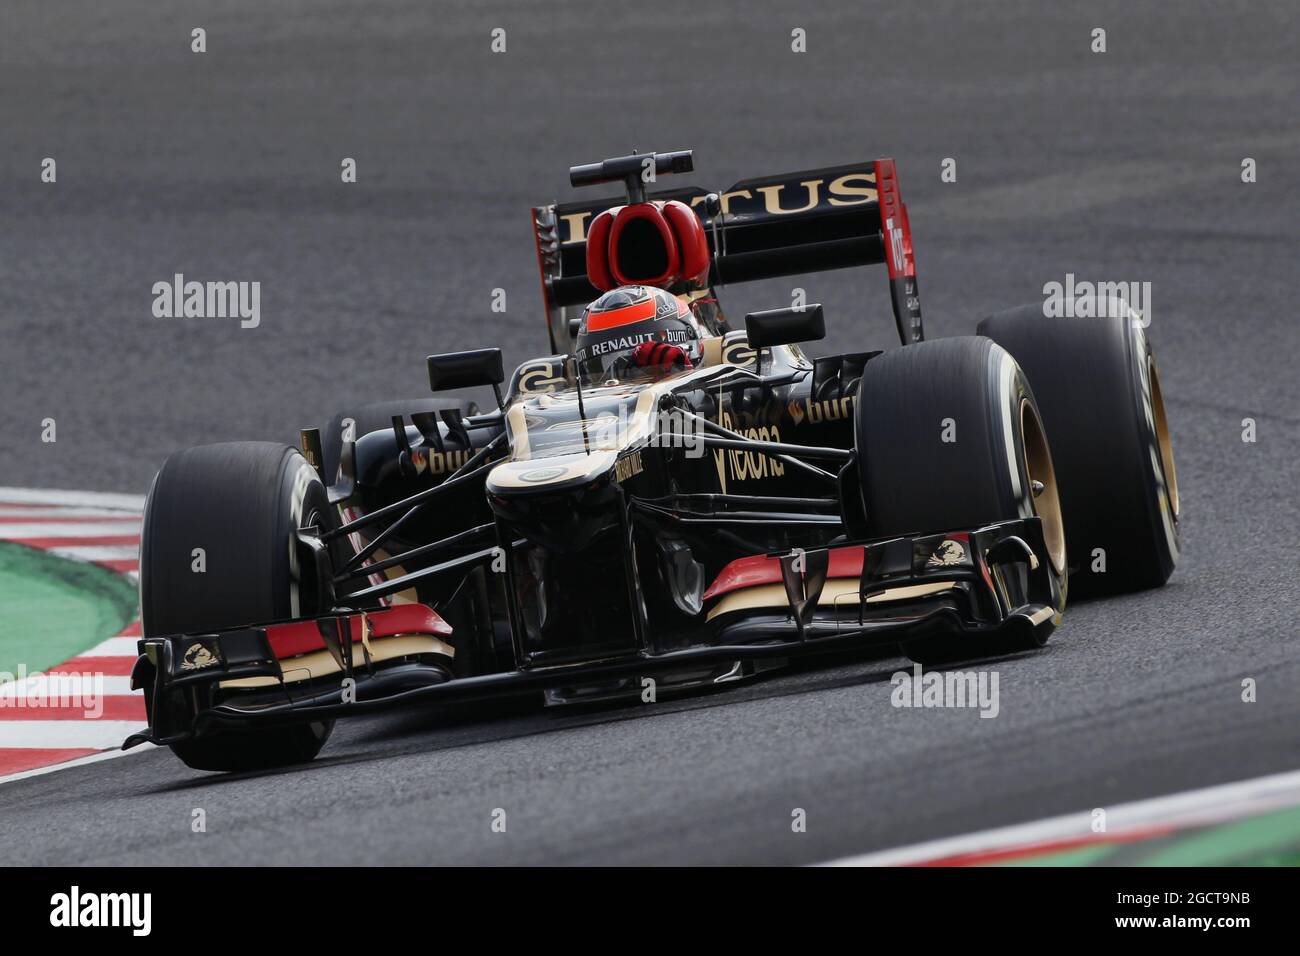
(761, 228)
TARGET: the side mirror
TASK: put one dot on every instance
(467, 370)
(785, 326)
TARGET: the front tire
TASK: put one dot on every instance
(231, 510)
(949, 437)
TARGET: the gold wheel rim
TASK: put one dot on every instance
(1163, 441)
(1046, 504)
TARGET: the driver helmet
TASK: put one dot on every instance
(637, 327)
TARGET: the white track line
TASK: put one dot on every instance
(1190, 808)
(37, 532)
(66, 734)
(32, 512)
(59, 686)
(74, 499)
(114, 647)
(99, 552)
(75, 762)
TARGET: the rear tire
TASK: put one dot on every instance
(948, 437)
(1099, 392)
(240, 502)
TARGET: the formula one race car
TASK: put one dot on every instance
(665, 501)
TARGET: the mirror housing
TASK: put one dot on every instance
(465, 369)
(785, 326)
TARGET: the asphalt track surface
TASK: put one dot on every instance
(1115, 166)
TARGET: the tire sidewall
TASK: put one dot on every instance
(1165, 526)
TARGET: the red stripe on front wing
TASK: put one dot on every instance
(301, 637)
(762, 569)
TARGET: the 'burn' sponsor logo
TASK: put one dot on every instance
(831, 410)
(439, 462)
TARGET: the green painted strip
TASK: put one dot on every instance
(1080, 856)
(52, 608)
(1281, 858)
(1243, 842)
(1269, 839)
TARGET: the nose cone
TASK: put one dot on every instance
(561, 503)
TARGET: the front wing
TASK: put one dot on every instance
(986, 590)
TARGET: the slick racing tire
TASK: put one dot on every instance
(1099, 395)
(240, 502)
(948, 437)
(377, 415)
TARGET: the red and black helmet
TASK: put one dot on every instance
(637, 326)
